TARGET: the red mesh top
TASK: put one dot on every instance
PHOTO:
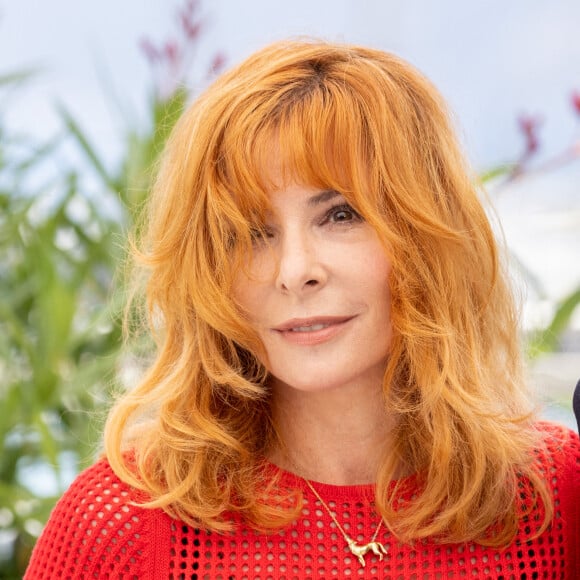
(94, 533)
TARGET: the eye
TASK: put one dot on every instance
(260, 234)
(342, 213)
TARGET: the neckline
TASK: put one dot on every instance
(333, 491)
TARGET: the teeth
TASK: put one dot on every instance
(312, 328)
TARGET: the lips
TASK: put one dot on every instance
(311, 331)
(307, 328)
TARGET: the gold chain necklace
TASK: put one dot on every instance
(356, 549)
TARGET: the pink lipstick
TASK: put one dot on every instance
(312, 331)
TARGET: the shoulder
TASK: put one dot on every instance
(560, 448)
(558, 459)
(559, 463)
(97, 530)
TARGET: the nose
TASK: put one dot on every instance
(300, 265)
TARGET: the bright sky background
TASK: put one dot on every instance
(492, 59)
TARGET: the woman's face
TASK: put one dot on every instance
(317, 292)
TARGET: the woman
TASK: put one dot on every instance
(337, 389)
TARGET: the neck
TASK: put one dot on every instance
(335, 436)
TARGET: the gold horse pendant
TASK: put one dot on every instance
(360, 551)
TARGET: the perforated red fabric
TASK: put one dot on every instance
(94, 532)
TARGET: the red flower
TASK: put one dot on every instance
(576, 101)
(170, 60)
(149, 50)
(171, 51)
(217, 63)
(191, 29)
(530, 126)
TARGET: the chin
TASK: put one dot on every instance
(310, 382)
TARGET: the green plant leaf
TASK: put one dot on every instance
(494, 172)
(546, 340)
(17, 76)
(83, 141)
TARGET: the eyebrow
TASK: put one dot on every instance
(323, 197)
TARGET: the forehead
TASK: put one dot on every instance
(310, 140)
(280, 164)
(302, 197)
(271, 173)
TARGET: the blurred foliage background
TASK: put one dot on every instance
(60, 336)
(62, 241)
(62, 237)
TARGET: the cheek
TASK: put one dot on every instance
(379, 277)
(244, 293)
(378, 269)
(251, 304)
(256, 270)
(249, 295)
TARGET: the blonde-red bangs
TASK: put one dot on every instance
(322, 123)
(315, 139)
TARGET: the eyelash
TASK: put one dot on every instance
(259, 234)
(342, 207)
